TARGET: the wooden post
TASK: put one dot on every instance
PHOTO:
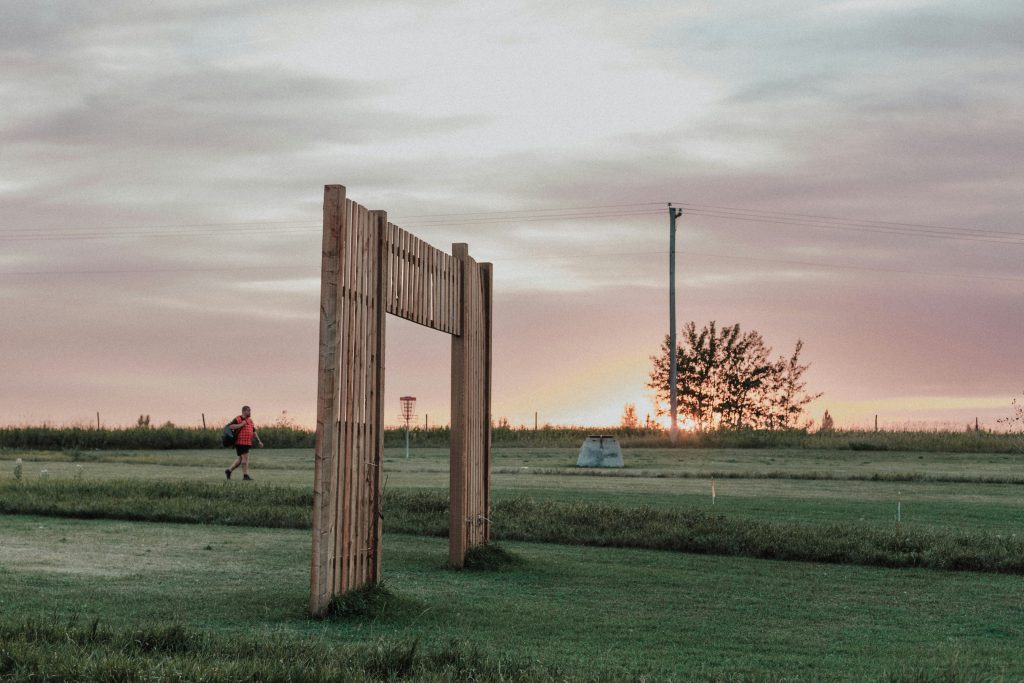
(457, 541)
(377, 512)
(204, 420)
(471, 416)
(97, 420)
(324, 487)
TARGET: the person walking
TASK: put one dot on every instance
(245, 432)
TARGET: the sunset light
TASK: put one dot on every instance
(511, 341)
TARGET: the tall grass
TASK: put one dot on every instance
(425, 513)
(33, 650)
(166, 437)
(170, 437)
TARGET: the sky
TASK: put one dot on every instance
(850, 176)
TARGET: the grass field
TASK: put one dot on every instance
(564, 612)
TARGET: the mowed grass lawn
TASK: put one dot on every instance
(595, 611)
(588, 609)
(655, 477)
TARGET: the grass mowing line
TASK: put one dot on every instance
(750, 474)
(577, 523)
(300, 461)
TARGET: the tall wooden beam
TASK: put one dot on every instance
(324, 483)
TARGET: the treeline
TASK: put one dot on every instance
(170, 437)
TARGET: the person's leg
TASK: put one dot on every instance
(240, 452)
(245, 464)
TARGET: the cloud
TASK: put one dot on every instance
(200, 116)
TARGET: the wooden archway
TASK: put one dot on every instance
(372, 268)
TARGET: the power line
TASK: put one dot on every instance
(293, 227)
(507, 211)
(602, 211)
(764, 212)
(917, 230)
(577, 256)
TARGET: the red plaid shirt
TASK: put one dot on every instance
(244, 435)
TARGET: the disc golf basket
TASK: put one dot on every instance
(408, 415)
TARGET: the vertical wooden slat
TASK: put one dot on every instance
(383, 277)
(345, 459)
(414, 280)
(421, 288)
(457, 465)
(359, 361)
(487, 274)
(407, 280)
(359, 455)
(321, 584)
(394, 269)
(435, 287)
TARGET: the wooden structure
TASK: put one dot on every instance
(371, 268)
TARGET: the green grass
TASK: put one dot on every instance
(193, 598)
(963, 506)
(220, 599)
(690, 530)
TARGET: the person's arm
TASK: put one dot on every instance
(257, 436)
(236, 425)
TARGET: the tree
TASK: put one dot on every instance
(726, 379)
(629, 418)
(1015, 423)
(787, 397)
(827, 424)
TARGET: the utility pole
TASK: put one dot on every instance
(673, 401)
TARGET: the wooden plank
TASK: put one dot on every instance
(393, 269)
(345, 459)
(421, 286)
(414, 282)
(459, 420)
(435, 288)
(405, 289)
(321, 585)
(487, 273)
(359, 450)
(378, 408)
(351, 565)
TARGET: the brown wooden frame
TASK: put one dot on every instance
(371, 267)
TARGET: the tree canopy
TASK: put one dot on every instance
(727, 379)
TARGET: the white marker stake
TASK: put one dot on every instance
(712, 491)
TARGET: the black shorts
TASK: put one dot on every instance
(242, 450)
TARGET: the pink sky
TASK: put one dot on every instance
(162, 174)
